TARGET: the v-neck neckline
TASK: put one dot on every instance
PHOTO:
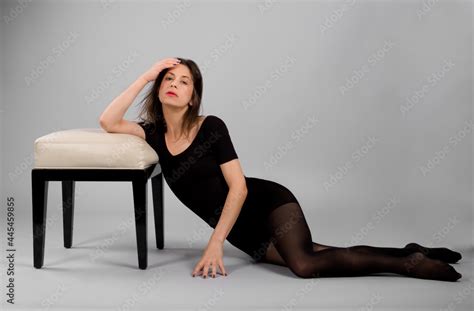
(189, 147)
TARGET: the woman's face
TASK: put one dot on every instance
(179, 81)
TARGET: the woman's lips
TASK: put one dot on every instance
(171, 94)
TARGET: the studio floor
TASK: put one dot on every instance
(100, 272)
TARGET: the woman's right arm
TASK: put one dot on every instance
(112, 121)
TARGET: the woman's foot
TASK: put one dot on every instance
(440, 253)
(417, 265)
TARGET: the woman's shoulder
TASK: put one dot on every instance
(216, 126)
(215, 121)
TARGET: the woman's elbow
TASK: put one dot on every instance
(242, 189)
(104, 123)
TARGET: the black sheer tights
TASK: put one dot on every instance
(292, 246)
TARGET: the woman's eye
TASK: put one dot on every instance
(169, 78)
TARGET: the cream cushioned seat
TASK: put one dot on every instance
(90, 148)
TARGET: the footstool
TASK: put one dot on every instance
(92, 154)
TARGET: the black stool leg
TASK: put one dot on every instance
(68, 211)
(40, 202)
(140, 205)
(157, 190)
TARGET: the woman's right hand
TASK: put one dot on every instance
(154, 71)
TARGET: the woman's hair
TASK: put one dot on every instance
(152, 110)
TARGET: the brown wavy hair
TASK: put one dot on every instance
(152, 110)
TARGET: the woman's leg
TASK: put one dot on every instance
(319, 247)
(443, 254)
(293, 242)
(440, 253)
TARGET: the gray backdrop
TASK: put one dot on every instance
(362, 108)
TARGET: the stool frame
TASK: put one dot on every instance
(40, 178)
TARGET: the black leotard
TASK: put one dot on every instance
(195, 177)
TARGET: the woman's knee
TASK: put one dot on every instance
(304, 268)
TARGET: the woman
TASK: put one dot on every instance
(260, 217)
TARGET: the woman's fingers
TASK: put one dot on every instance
(173, 61)
(152, 73)
(166, 60)
(197, 269)
(168, 63)
(214, 270)
(221, 265)
(204, 269)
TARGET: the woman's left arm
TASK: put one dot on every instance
(213, 253)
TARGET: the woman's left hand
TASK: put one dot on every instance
(212, 257)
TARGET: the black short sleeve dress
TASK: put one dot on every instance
(195, 177)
